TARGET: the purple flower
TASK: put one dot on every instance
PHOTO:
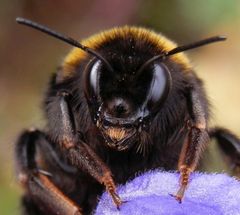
(148, 194)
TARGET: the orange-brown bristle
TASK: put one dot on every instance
(116, 133)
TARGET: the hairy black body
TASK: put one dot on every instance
(107, 123)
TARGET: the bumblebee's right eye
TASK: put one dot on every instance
(159, 86)
(92, 81)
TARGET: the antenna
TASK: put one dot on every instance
(182, 48)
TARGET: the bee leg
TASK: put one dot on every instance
(230, 146)
(40, 191)
(79, 153)
(195, 141)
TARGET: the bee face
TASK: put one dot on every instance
(125, 97)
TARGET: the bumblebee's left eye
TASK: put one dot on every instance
(92, 79)
(159, 86)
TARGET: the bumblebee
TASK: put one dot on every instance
(124, 101)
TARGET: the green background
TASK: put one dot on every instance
(28, 58)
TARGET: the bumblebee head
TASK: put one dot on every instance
(125, 99)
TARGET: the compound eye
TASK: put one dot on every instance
(159, 87)
(92, 80)
(94, 76)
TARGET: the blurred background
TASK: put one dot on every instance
(28, 58)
